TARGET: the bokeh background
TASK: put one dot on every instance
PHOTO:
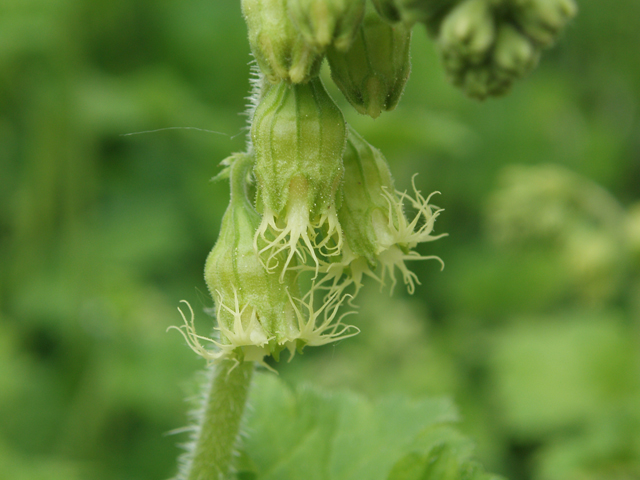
(533, 327)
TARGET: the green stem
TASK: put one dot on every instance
(224, 405)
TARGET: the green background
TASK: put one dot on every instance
(533, 327)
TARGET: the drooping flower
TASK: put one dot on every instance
(377, 232)
(373, 72)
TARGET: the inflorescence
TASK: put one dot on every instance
(325, 213)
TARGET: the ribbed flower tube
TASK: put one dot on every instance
(254, 312)
(298, 136)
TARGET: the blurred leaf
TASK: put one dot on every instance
(440, 463)
(562, 372)
(309, 434)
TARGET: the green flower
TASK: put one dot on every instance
(377, 234)
(298, 137)
(259, 312)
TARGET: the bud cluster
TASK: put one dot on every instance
(485, 45)
(547, 205)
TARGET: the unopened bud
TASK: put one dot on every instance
(543, 20)
(468, 31)
(481, 57)
(514, 53)
(277, 46)
(373, 72)
(298, 135)
(323, 22)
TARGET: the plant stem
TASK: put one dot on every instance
(224, 405)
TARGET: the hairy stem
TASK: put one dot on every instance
(223, 408)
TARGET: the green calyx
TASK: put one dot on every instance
(373, 72)
(254, 312)
(367, 179)
(280, 50)
(298, 137)
(325, 22)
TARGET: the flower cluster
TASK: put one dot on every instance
(323, 212)
(485, 45)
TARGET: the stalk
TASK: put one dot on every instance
(212, 454)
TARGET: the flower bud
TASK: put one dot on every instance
(322, 22)
(373, 72)
(543, 20)
(514, 55)
(298, 136)
(277, 46)
(468, 32)
(482, 57)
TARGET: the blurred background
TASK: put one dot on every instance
(533, 327)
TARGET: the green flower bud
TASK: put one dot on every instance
(373, 72)
(484, 53)
(543, 20)
(298, 135)
(373, 220)
(481, 58)
(323, 22)
(514, 55)
(468, 32)
(257, 314)
(277, 46)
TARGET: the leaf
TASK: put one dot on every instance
(316, 436)
(442, 462)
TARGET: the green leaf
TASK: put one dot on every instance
(442, 462)
(305, 433)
